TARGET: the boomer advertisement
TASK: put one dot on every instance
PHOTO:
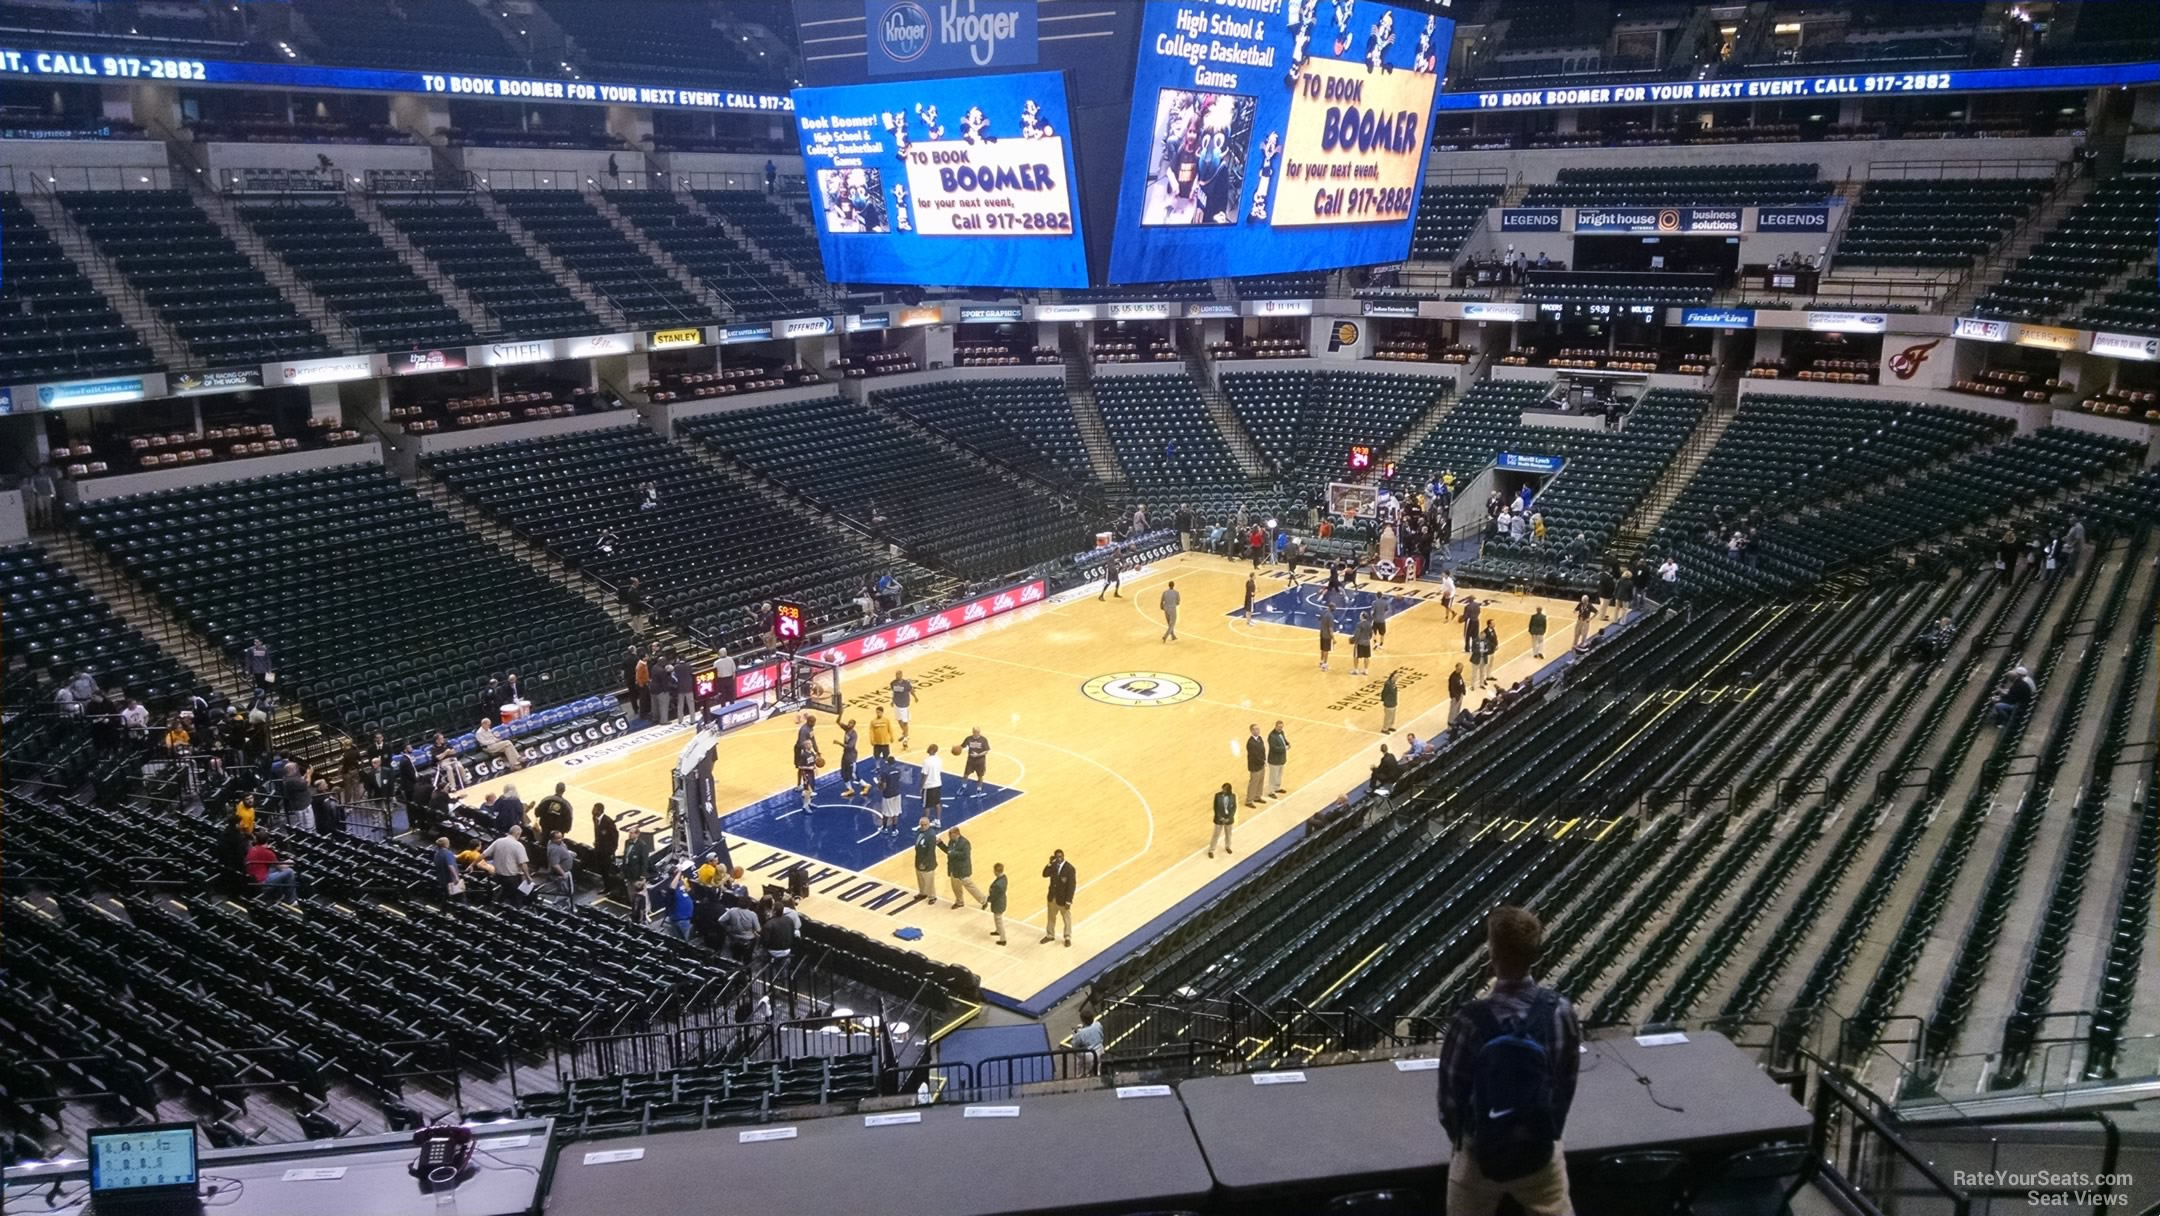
(903, 175)
(1270, 136)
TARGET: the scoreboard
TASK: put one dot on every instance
(787, 623)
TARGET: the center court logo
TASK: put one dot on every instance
(904, 31)
(1145, 688)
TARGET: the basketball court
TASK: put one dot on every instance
(1106, 741)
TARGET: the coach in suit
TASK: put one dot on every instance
(1064, 880)
(1255, 765)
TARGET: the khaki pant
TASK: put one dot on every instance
(1582, 631)
(1537, 645)
(967, 886)
(1387, 717)
(1274, 778)
(1050, 920)
(1253, 792)
(997, 924)
(926, 883)
(1541, 1193)
(1222, 834)
(1454, 709)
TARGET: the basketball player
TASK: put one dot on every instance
(806, 767)
(903, 699)
(1250, 588)
(1361, 644)
(850, 757)
(976, 747)
(933, 781)
(1169, 612)
(1379, 621)
(880, 734)
(1447, 593)
(889, 791)
(1327, 636)
(1110, 580)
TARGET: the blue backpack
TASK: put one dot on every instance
(1512, 1126)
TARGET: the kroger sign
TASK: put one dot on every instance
(948, 35)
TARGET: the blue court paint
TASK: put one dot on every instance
(1301, 606)
(843, 832)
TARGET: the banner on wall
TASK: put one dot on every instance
(1524, 462)
(927, 314)
(230, 380)
(2047, 337)
(78, 393)
(1140, 310)
(1980, 329)
(1197, 309)
(990, 314)
(1792, 219)
(863, 322)
(1278, 308)
(1530, 219)
(2126, 346)
(596, 346)
(765, 677)
(419, 362)
(324, 371)
(1390, 308)
(1847, 322)
(510, 354)
(907, 36)
(1718, 318)
(1475, 311)
(1594, 221)
(1067, 312)
(802, 327)
(668, 339)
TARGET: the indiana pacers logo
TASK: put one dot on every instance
(1141, 688)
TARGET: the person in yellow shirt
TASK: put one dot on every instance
(881, 734)
(708, 871)
(244, 810)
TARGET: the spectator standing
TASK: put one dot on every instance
(996, 902)
(1583, 612)
(1489, 648)
(1507, 1078)
(605, 836)
(637, 854)
(256, 660)
(1225, 818)
(443, 863)
(1278, 754)
(926, 859)
(552, 813)
(739, 928)
(1608, 590)
(1537, 632)
(1456, 690)
(682, 908)
(234, 841)
(1389, 695)
(1471, 612)
(1064, 881)
(513, 866)
(960, 867)
(778, 934)
(1255, 764)
(663, 692)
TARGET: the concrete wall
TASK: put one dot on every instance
(97, 489)
(354, 159)
(80, 163)
(948, 375)
(673, 412)
(451, 441)
(2027, 417)
(2117, 428)
(549, 168)
(1839, 159)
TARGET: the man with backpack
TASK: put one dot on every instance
(1507, 1078)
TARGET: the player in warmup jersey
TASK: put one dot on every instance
(806, 767)
(850, 756)
(976, 749)
(903, 699)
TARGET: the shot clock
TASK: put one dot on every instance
(787, 623)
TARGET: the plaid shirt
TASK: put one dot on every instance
(1562, 1040)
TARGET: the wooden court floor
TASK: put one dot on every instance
(1120, 779)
